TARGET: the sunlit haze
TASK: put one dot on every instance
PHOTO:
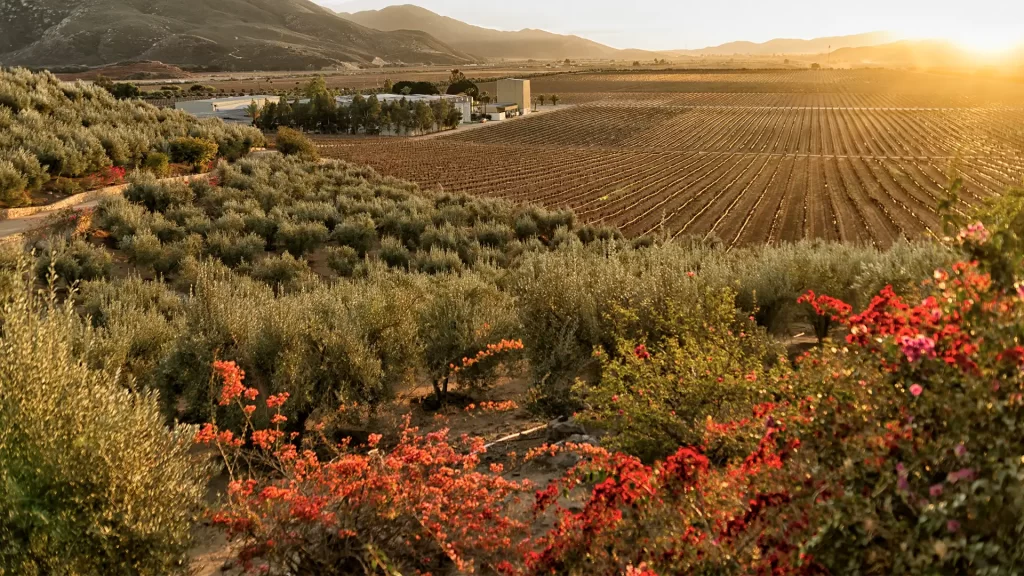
(982, 25)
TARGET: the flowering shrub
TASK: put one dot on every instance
(680, 516)
(421, 505)
(656, 398)
(893, 452)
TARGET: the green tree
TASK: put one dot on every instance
(196, 152)
(541, 98)
(424, 117)
(316, 87)
(293, 143)
(253, 111)
(554, 99)
(371, 115)
(356, 113)
(464, 87)
(456, 76)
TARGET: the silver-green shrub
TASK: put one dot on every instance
(92, 481)
(74, 129)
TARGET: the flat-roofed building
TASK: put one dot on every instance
(517, 91)
(501, 110)
(223, 107)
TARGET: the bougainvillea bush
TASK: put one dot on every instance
(894, 450)
(422, 505)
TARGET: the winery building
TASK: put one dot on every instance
(512, 91)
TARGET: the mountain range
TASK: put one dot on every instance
(489, 43)
(221, 34)
(303, 35)
(788, 46)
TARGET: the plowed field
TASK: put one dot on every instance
(748, 157)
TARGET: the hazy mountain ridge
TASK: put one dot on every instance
(489, 43)
(793, 46)
(229, 34)
(922, 53)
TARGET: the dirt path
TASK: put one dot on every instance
(17, 221)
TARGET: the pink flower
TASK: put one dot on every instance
(935, 491)
(974, 233)
(953, 526)
(960, 450)
(916, 390)
(1020, 289)
(965, 474)
(917, 347)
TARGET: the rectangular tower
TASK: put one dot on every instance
(515, 91)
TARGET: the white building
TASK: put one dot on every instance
(226, 108)
(515, 91)
(501, 110)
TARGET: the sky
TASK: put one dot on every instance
(987, 25)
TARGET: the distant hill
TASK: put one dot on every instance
(792, 46)
(920, 53)
(489, 43)
(225, 34)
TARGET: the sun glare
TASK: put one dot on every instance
(986, 41)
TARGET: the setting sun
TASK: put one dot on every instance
(986, 41)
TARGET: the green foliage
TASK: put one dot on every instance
(321, 113)
(74, 261)
(414, 88)
(997, 239)
(301, 237)
(462, 316)
(92, 481)
(13, 185)
(438, 261)
(157, 163)
(196, 152)
(343, 260)
(235, 248)
(67, 187)
(359, 233)
(394, 253)
(657, 393)
(463, 87)
(155, 196)
(54, 128)
(280, 271)
(293, 143)
(572, 288)
(565, 297)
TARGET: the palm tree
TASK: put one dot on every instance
(541, 98)
(485, 98)
(253, 111)
(554, 99)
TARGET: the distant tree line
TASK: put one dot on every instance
(322, 113)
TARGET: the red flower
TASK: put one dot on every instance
(232, 376)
